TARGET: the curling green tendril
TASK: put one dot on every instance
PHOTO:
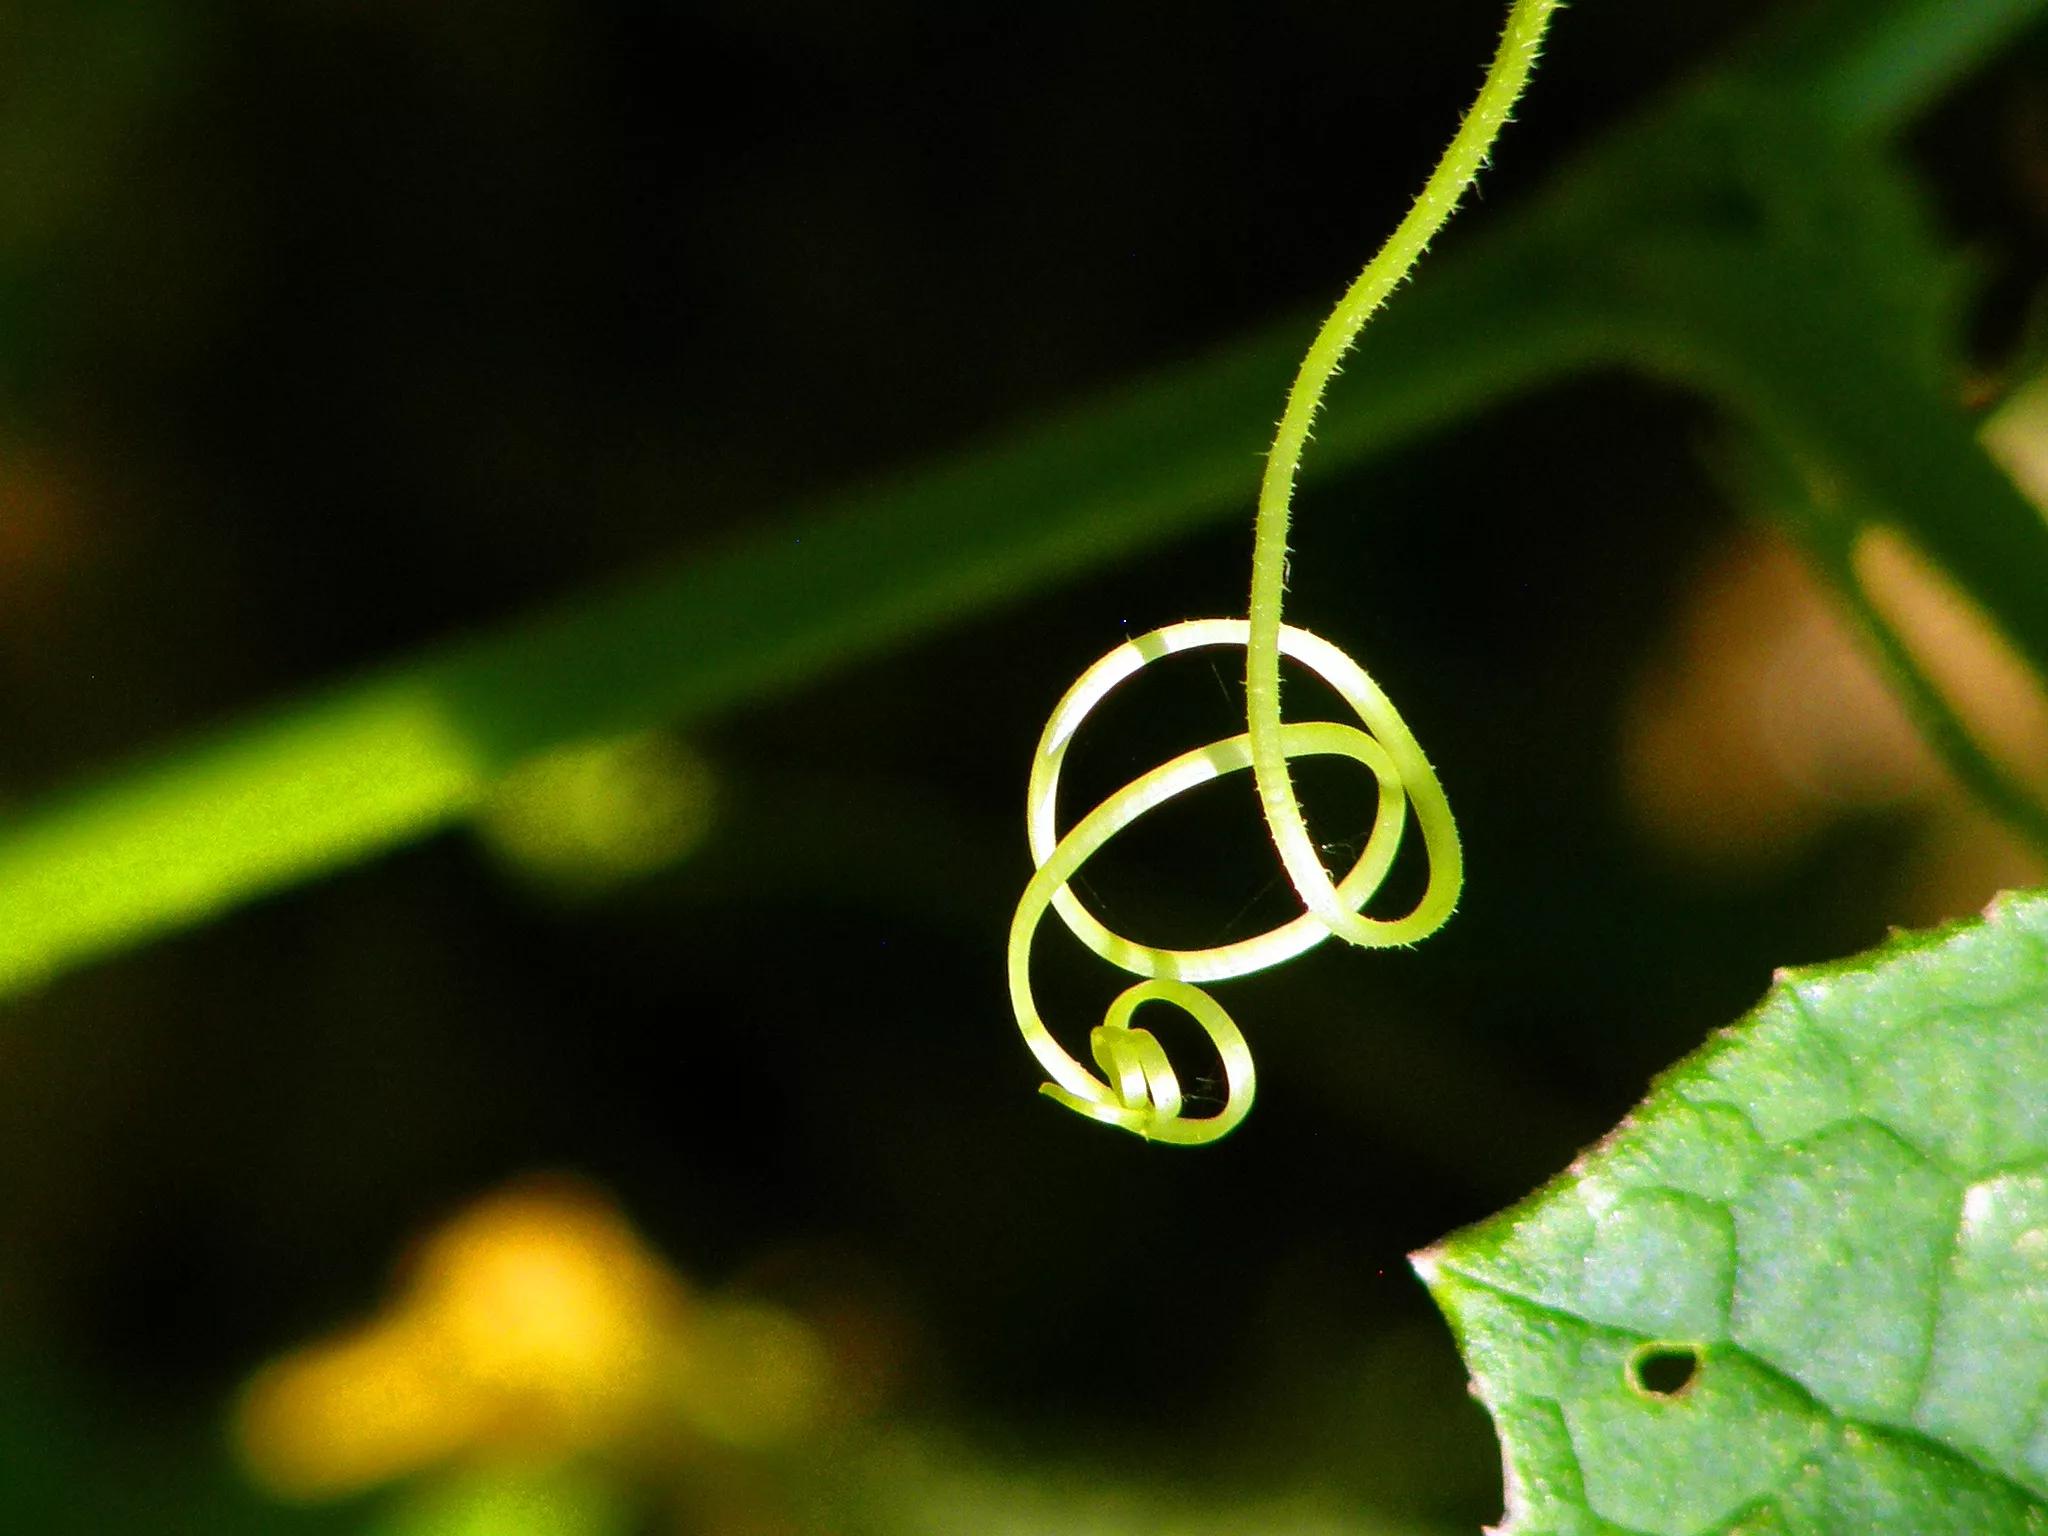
(1139, 1090)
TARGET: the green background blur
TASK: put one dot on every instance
(330, 328)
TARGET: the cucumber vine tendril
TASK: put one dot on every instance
(1139, 1089)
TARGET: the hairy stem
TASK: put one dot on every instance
(1138, 1090)
(1454, 173)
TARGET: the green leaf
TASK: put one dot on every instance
(1835, 1214)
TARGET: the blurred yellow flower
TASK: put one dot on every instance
(536, 1325)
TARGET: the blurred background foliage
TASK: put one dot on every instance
(653, 1153)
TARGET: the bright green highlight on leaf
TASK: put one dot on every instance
(350, 773)
(1839, 1209)
(1139, 1090)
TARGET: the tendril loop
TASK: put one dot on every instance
(1138, 1089)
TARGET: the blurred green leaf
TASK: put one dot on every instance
(938, 1487)
(510, 1502)
(1803, 1288)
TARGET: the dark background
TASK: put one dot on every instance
(329, 329)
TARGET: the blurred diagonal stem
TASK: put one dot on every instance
(1939, 724)
(1757, 476)
(1604, 268)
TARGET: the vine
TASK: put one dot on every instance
(1139, 1090)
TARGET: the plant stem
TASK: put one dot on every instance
(1460, 166)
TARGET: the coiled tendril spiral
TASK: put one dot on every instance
(1138, 1089)
(1142, 1092)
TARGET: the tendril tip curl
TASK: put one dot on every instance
(1138, 1089)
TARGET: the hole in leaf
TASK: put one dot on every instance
(1663, 1370)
